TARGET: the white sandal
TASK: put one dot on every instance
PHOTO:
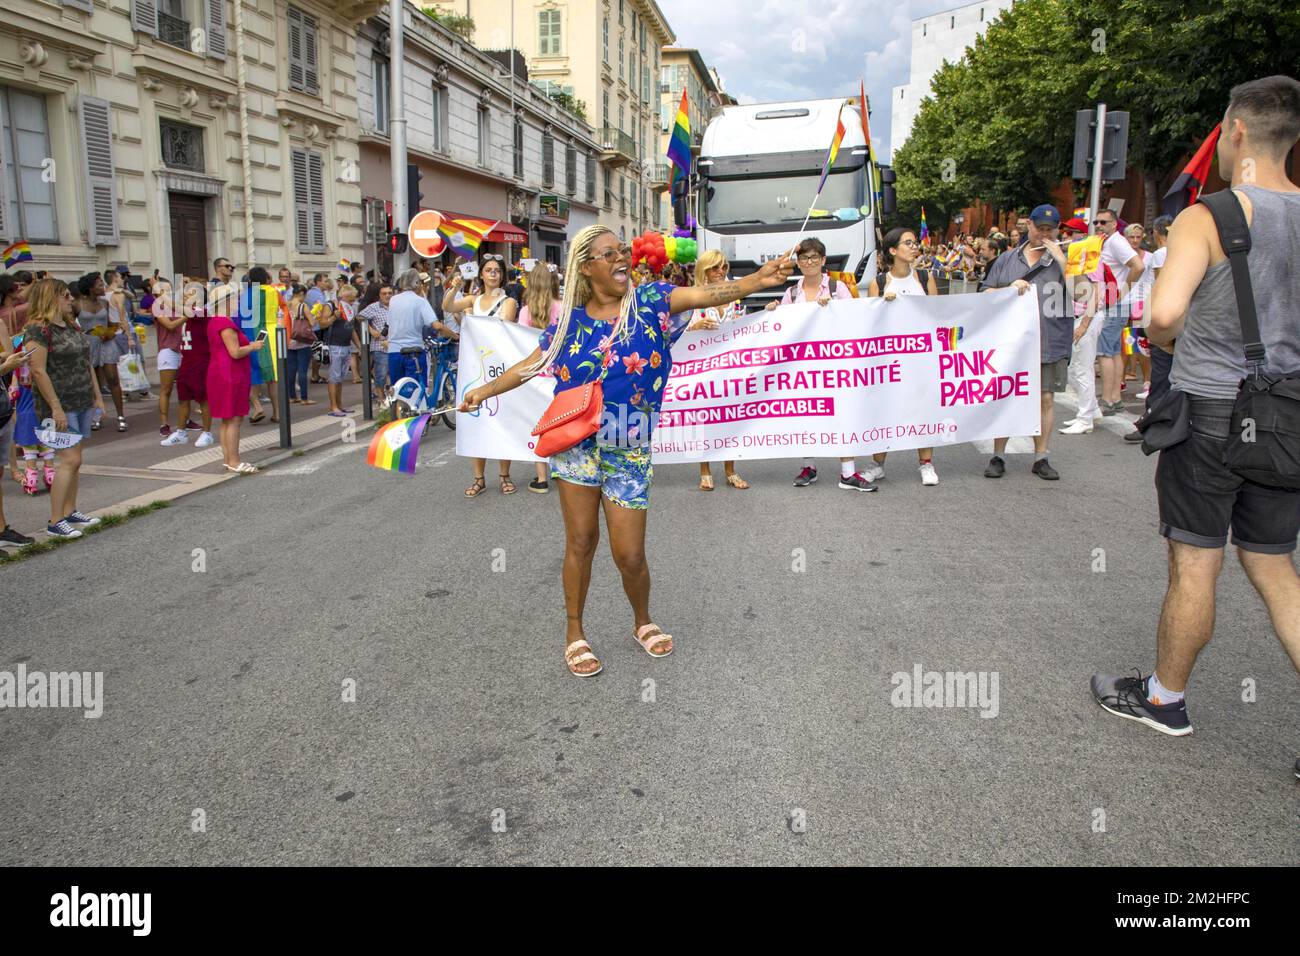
(572, 659)
(650, 639)
(243, 468)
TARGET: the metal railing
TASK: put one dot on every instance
(616, 141)
(173, 30)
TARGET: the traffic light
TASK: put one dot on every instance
(397, 242)
(680, 192)
(413, 194)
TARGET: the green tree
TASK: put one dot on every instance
(463, 26)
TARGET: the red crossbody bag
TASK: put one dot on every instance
(572, 417)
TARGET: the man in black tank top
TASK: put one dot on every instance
(1201, 501)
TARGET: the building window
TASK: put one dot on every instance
(308, 200)
(620, 12)
(591, 178)
(438, 116)
(173, 28)
(620, 58)
(484, 135)
(952, 23)
(27, 209)
(981, 14)
(604, 106)
(621, 109)
(622, 196)
(604, 36)
(609, 193)
(922, 29)
(302, 52)
(519, 149)
(548, 158)
(571, 169)
(381, 94)
(182, 145)
(548, 33)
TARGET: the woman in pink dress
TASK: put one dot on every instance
(229, 377)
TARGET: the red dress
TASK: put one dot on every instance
(229, 380)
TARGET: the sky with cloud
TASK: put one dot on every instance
(765, 54)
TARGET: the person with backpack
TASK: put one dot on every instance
(818, 286)
(902, 278)
(1231, 324)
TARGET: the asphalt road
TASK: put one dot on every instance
(223, 687)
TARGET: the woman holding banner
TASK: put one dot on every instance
(903, 278)
(712, 267)
(618, 336)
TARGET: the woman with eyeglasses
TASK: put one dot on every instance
(65, 391)
(903, 278)
(491, 302)
(817, 286)
(620, 335)
(710, 269)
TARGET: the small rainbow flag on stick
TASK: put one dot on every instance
(465, 234)
(396, 446)
(18, 252)
(834, 150)
(925, 230)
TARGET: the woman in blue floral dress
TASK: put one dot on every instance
(606, 326)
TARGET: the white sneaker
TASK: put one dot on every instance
(178, 437)
(204, 440)
(1077, 427)
(1067, 424)
(928, 475)
(873, 472)
(1146, 390)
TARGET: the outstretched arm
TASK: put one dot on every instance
(774, 273)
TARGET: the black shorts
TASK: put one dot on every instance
(1200, 499)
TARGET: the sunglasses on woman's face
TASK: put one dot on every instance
(611, 256)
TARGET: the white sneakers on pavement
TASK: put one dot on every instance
(928, 475)
(204, 440)
(177, 437)
(873, 472)
(1076, 426)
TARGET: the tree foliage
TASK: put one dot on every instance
(999, 123)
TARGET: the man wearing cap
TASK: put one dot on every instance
(1039, 262)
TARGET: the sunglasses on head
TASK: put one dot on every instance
(492, 257)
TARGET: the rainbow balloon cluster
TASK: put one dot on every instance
(657, 250)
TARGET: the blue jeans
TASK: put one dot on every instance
(416, 365)
(298, 363)
(379, 369)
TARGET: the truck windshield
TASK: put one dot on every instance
(784, 199)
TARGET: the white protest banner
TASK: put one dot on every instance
(502, 425)
(854, 377)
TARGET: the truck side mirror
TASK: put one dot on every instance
(888, 195)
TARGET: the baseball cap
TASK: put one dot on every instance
(1045, 215)
(125, 270)
(1077, 224)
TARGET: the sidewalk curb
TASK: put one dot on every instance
(288, 453)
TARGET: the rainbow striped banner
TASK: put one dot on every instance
(396, 446)
(834, 151)
(260, 307)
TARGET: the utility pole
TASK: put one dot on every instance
(397, 127)
(1098, 152)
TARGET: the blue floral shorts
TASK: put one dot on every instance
(622, 474)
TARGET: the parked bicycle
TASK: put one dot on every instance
(438, 397)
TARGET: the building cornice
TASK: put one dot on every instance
(52, 34)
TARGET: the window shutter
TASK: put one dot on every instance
(309, 55)
(144, 16)
(295, 50)
(317, 208)
(4, 199)
(87, 5)
(216, 19)
(101, 183)
(301, 201)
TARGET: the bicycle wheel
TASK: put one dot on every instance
(448, 398)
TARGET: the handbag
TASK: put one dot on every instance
(572, 417)
(1166, 423)
(1264, 443)
(300, 331)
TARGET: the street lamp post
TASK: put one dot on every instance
(397, 128)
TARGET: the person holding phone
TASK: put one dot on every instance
(66, 393)
(230, 375)
(11, 361)
(622, 336)
(492, 302)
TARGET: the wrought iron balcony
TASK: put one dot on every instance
(173, 30)
(616, 147)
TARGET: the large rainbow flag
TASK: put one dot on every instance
(679, 145)
(260, 307)
(464, 233)
(20, 251)
(396, 446)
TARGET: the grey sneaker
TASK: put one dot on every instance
(61, 529)
(805, 478)
(996, 469)
(856, 483)
(1127, 697)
